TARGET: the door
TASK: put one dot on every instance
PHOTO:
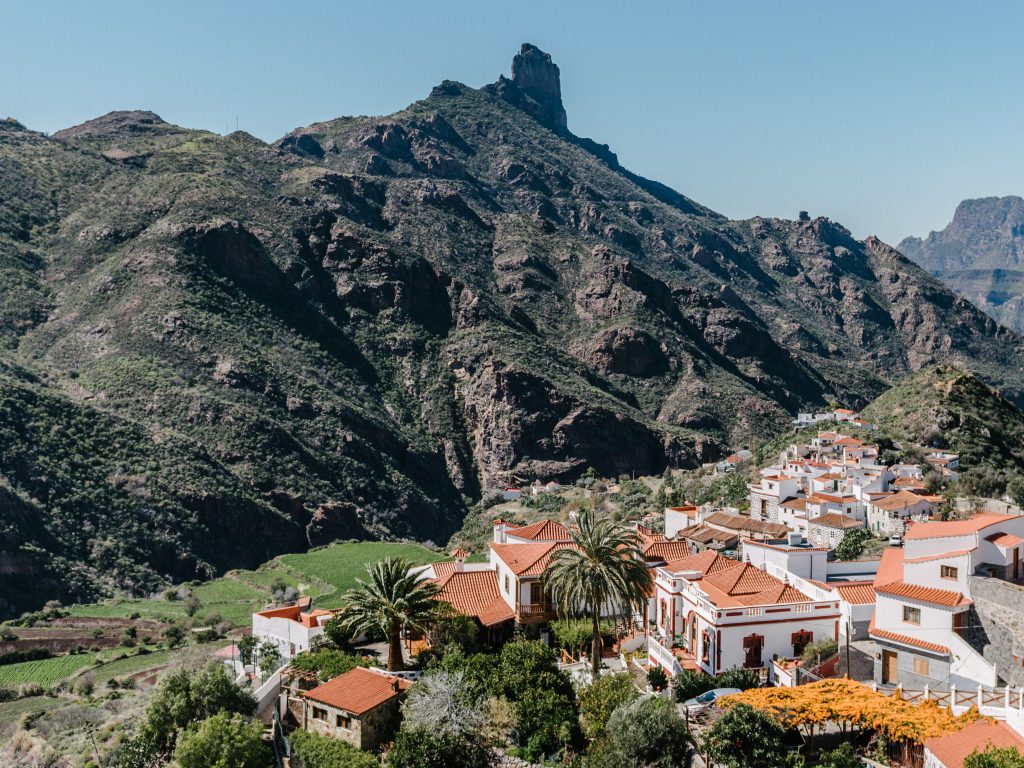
(890, 672)
(537, 594)
(752, 646)
(958, 623)
(1016, 563)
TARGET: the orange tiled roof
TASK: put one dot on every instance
(890, 566)
(358, 691)
(296, 614)
(544, 530)
(836, 520)
(666, 550)
(856, 592)
(899, 500)
(896, 637)
(459, 553)
(741, 523)
(475, 593)
(934, 530)
(744, 584)
(702, 534)
(934, 595)
(1004, 540)
(528, 559)
(952, 749)
(703, 562)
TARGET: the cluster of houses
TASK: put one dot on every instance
(746, 589)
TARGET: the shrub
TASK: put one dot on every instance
(737, 677)
(844, 756)
(601, 698)
(822, 649)
(657, 679)
(647, 733)
(311, 750)
(223, 741)
(688, 684)
(745, 737)
(418, 748)
(326, 663)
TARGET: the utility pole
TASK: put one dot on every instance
(849, 629)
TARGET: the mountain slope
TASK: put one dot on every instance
(980, 255)
(354, 331)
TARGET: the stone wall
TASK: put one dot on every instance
(999, 608)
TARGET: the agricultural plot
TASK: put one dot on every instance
(339, 565)
(44, 671)
(11, 712)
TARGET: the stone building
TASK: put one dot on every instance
(361, 707)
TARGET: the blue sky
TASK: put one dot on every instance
(881, 115)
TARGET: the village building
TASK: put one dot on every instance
(714, 614)
(292, 629)
(472, 590)
(807, 567)
(888, 515)
(362, 707)
(923, 622)
(951, 749)
(830, 529)
(707, 528)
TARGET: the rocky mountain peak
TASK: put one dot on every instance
(538, 77)
(118, 123)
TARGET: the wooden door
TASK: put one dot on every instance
(1016, 563)
(890, 671)
(958, 623)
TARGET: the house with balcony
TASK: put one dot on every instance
(925, 624)
(472, 590)
(713, 614)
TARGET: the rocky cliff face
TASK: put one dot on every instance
(357, 329)
(980, 255)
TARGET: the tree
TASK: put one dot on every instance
(392, 599)
(184, 698)
(442, 703)
(448, 627)
(647, 733)
(745, 737)
(247, 649)
(192, 605)
(328, 663)
(852, 545)
(311, 750)
(337, 634)
(605, 569)
(736, 677)
(657, 678)
(223, 741)
(269, 656)
(601, 698)
(419, 748)
(994, 757)
(843, 756)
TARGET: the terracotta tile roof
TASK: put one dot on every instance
(899, 500)
(836, 520)
(934, 530)
(744, 584)
(704, 562)
(890, 566)
(1004, 540)
(475, 593)
(940, 556)
(824, 498)
(666, 550)
(544, 530)
(702, 534)
(358, 691)
(459, 553)
(443, 569)
(799, 504)
(780, 594)
(856, 593)
(934, 595)
(296, 614)
(528, 559)
(684, 508)
(952, 749)
(896, 637)
(741, 523)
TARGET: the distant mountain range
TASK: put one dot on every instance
(214, 350)
(980, 255)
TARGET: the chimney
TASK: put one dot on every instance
(500, 526)
(396, 685)
(460, 556)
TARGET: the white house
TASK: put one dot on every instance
(888, 515)
(921, 622)
(714, 614)
(292, 629)
(830, 529)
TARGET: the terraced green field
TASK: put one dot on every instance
(321, 573)
(131, 665)
(339, 565)
(12, 711)
(45, 671)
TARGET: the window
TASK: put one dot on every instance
(920, 666)
(947, 572)
(705, 647)
(801, 640)
(911, 615)
(319, 713)
(506, 583)
(343, 721)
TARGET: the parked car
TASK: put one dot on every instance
(895, 540)
(705, 701)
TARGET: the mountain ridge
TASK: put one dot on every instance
(365, 324)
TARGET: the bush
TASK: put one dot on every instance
(737, 677)
(843, 756)
(647, 733)
(657, 679)
(311, 750)
(223, 741)
(688, 684)
(822, 649)
(745, 737)
(601, 698)
(852, 545)
(994, 757)
(29, 654)
(418, 748)
(328, 663)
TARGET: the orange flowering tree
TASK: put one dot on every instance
(843, 701)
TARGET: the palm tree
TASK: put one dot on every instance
(605, 568)
(391, 599)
